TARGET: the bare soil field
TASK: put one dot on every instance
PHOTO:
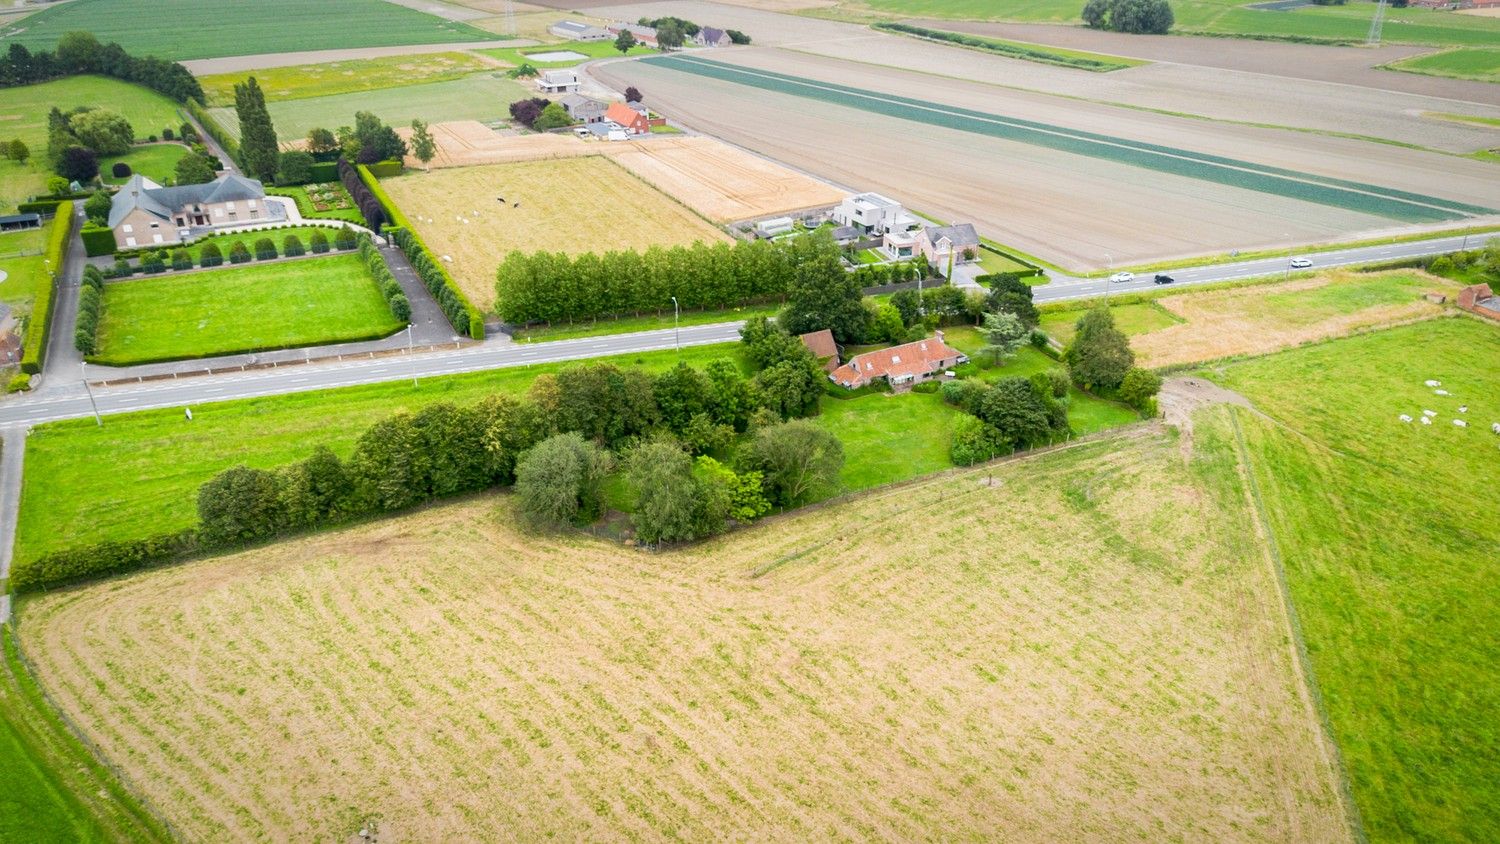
(1089, 648)
(1220, 94)
(573, 205)
(1079, 212)
(719, 181)
(1262, 319)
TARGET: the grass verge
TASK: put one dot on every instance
(1041, 53)
(626, 325)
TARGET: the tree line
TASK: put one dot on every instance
(547, 287)
(80, 52)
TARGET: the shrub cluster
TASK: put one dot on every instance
(34, 350)
(90, 309)
(100, 559)
(395, 298)
(364, 198)
(1012, 414)
(1133, 16)
(19, 383)
(554, 287)
(461, 314)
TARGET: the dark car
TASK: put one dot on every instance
(1163, 278)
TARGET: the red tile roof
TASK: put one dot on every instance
(626, 116)
(919, 358)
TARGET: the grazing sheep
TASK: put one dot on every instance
(1495, 426)
(1432, 383)
(1463, 408)
(1426, 420)
(1429, 413)
(448, 258)
(1406, 417)
(1460, 423)
(515, 205)
(1440, 393)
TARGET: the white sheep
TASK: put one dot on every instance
(1432, 383)
(1495, 427)
(1463, 408)
(1406, 417)
(1441, 393)
(1426, 420)
(1429, 413)
(1460, 423)
(448, 258)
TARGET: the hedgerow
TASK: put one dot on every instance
(34, 352)
(395, 298)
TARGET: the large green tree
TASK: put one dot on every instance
(103, 131)
(794, 459)
(823, 296)
(259, 152)
(422, 144)
(560, 480)
(1099, 355)
(1003, 335)
(193, 169)
(667, 494)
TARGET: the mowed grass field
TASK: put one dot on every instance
(575, 205)
(1390, 540)
(484, 96)
(1088, 648)
(1480, 64)
(309, 301)
(23, 115)
(516, 56)
(301, 81)
(195, 29)
(21, 259)
(157, 162)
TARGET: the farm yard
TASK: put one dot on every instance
(188, 29)
(1136, 212)
(1163, 663)
(252, 308)
(482, 96)
(1388, 534)
(476, 215)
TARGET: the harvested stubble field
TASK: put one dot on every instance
(569, 205)
(1089, 648)
(466, 143)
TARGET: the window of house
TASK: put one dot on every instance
(127, 228)
(155, 225)
(156, 238)
(251, 205)
(218, 212)
(129, 241)
(230, 206)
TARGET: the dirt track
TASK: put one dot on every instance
(1084, 213)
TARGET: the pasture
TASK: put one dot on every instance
(517, 56)
(1078, 649)
(21, 258)
(482, 97)
(305, 302)
(1480, 64)
(191, 29)
(570, 205)
(297, 82)
(157, 162)
(1388, 534)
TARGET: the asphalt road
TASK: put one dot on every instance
(69, 400)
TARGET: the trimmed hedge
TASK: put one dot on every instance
(462, 315)
(40, 206)
(97, 240)
(102, 558)
(395, 298)
(385, 169)
(325, 171)
(34, 352)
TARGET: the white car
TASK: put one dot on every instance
(1301, 263)
(1122, 277)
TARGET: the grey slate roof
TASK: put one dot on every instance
(141, 192)
(961, 235)
(710, 33)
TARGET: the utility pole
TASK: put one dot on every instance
(1376, 23)
(83, 370)
(676, 333)
(409, 353)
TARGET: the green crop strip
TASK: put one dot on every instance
(1337, 193)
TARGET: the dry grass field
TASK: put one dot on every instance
(719, 181)
(1257, 320)
(466, 143)
(572, 205)
(1090, 648)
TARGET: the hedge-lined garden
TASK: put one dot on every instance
(39, 326)
(212, 251)
(547, 287)
(90, 309)
(390, 288)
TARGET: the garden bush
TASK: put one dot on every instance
(93, 277)
(102, 558)
(265, 249)
(318, 242)
(345, 239)
(97, 240)
(34, 350)
(239, 253)
(292, 246)
(153, 263)
(210, 256)
(120, 170)
(19, 383)
(182, 260)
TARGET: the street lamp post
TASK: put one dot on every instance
(676, 334)
(409, 351)
(83, 370)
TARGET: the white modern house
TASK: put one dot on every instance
(873, 213)
(558, 82)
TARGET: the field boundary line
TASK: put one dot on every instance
(1333, 757)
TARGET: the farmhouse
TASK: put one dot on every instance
(628, 119)
(143, 213)
(583, 109)
(711, 37)
(823, 347)
(576, 31)
(557, 82)
(872, 213)
(939, 244)
(902, 366)
(643, 34)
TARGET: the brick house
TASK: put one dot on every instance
(627, 118)
(143, 213)
(709, 36)
(823, 347)
(643, 34)
(940, 243)
(902, 366)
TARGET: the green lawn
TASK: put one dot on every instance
(517, 56)
(157, 162)
(1132, 319)
(994, 262)
(484, 96)
(157, 460)
(625, 325)
(889, 438)
(307, 302)
(1480, 64)
(320, 80)
(21, 259)
(194, 29)
(1390, 538)
(1086, 413)
(54, 788)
